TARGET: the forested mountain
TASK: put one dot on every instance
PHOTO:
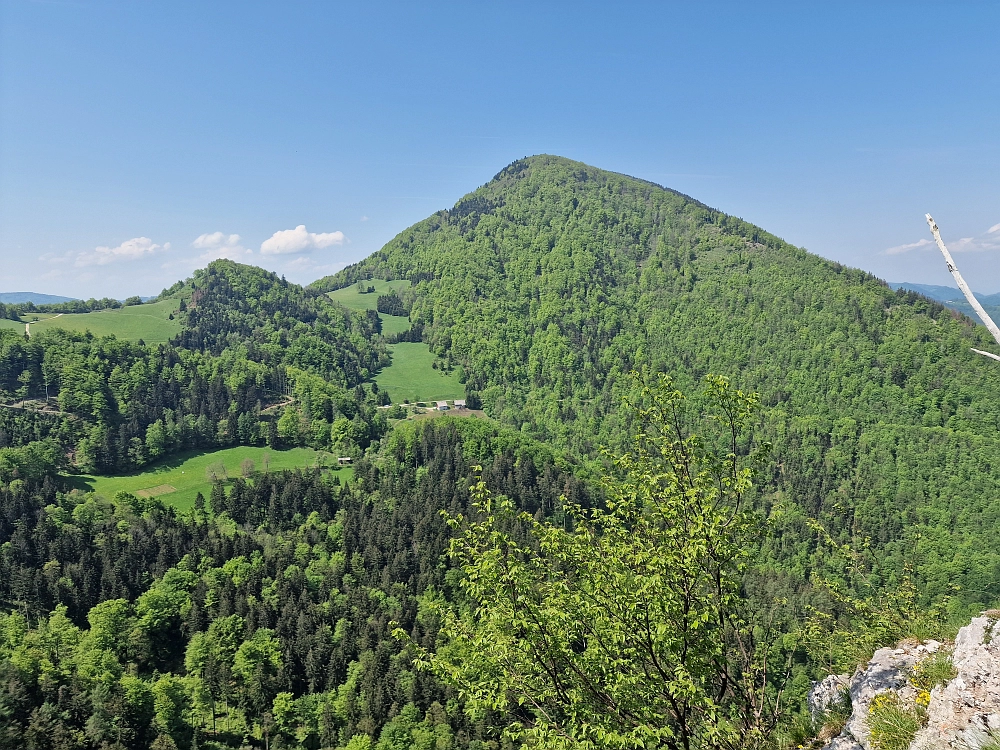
(952, 298)
(554, 280)
(265, 615)
(249, 340)
(233, 305)
(269, 606)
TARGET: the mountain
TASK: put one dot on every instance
(248, 340)
(549, 284)
(17, 298)
(941, 294)
(265, 614)
(951, 297)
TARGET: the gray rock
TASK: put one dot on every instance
(965, 712)
(826, 693)
(886, 671)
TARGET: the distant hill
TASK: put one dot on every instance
(951, 297)
(545, 287)
(17, 298)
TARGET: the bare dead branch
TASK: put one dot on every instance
(983, 315)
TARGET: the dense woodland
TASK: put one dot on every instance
(269, 606)
(265, 615)
(548, 285)
(250, 341)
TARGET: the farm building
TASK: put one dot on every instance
(459, 403)
(442, 405)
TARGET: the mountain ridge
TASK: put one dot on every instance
(953, 298)
(36, 298)
(550, 283)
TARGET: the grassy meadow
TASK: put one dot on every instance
(178, 479)
(149, 322)
(411, 376)
(13, 325)
(351, 298)
(394, 324)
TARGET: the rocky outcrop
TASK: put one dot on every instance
(826, 694)
(963, 713)
(887, 670)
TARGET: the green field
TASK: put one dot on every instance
(410, 376)
(177, 479)
(12, 325)
(350, 297)
(148, 322)
(394, 324)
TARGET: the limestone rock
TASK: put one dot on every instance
(964, 712)
(887, 671)
(826, 693)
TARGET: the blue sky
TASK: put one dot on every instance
(140, 139)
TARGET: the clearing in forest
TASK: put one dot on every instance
(177, 479)
(351, 298)
(411, 376)
(149, 322)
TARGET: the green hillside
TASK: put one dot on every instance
(412, 376)
(351, 297)
(177, 480)
(267, 617)
(550, 283)
(150, 322)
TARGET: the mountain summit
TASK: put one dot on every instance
(553, 281)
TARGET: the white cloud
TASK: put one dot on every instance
(906, 248)
(220, 245)
(298, 240)
(215, 239)
(365, 218)
(133, 249)
(988, 240)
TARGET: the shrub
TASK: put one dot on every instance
(930, 672)
(892, 724)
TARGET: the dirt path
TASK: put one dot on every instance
(27, 331)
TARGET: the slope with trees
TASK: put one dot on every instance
(546, 286)
(249, 340)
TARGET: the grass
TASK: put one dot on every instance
(149, 322)
(178, 479)
(410, 376)
(12, 325)
(350, 297)
(394, 324)
(934, 670)
(891, 724)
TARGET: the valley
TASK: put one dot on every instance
(599, 323)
